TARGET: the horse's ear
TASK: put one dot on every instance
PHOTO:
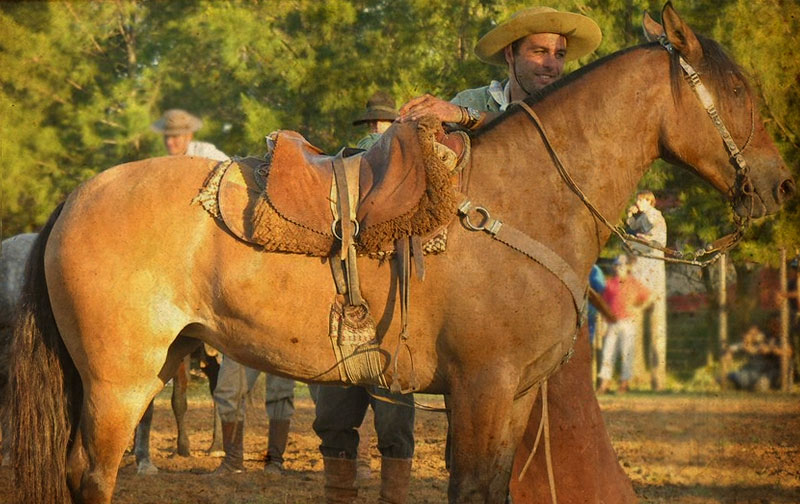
(680, 35)
(652, 28)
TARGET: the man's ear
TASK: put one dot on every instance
(681, 36)
(508, 53)
(652, 28)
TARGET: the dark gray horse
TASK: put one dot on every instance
(14, 253)
(13, 256)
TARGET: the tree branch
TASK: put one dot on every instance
(91, 37)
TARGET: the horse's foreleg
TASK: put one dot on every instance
(487, 425)
(141, 443)
(179, 406)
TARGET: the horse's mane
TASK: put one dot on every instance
(718, 66)
(541, 94)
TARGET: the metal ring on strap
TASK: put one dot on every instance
(338, 234)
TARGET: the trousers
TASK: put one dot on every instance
(620, 339)
(234, 383)
(341, 410)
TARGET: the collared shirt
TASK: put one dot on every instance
(495, 97)
(368, 141)
(206, 150)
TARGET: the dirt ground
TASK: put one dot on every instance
(695, 449)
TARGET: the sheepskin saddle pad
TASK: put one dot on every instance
(283, 202)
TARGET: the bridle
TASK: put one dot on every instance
(741, 189)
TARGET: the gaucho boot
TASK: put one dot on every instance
(340, 480)
(395, 477)
(233, 444)
(276, 445)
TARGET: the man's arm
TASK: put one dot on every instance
(445, 111)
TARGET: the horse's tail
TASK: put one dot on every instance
(44, 389)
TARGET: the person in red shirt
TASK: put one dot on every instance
(623, 295)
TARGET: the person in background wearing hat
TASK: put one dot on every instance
(623, 294)
(341, 410)
(379, 115)
(178, 127)
(234, 380)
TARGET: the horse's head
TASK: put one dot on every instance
(757, 179)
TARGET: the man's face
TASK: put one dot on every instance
(378, 126)
(177, 144)
(538, 60)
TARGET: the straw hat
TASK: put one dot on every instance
(176, 122)
(380, 107)
(583, 35)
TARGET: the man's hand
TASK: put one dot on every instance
(430, 105)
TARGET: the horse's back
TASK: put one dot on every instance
(141, 194)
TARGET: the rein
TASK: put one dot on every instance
(742, 188)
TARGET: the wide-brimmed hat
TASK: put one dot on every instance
(380, 107)
(176, 122)
(583, 35)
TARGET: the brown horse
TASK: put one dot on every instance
(487, 323)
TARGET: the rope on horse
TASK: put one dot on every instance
(544, 426)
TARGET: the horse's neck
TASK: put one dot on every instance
(604, 127)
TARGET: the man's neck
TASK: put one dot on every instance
(517, 93)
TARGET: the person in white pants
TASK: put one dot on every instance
(623, 294)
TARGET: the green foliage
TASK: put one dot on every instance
(83, 81)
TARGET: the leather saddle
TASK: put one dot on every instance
(404, 188)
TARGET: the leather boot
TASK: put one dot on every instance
(340, 480)
(233, 444)
(395, 477)
(276, 445)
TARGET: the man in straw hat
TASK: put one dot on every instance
(178, 127)
(341, 410)
(533, 45)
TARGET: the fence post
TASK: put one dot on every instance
(785, 378)
(723, 315)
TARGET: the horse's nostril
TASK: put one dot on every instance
(785, 190)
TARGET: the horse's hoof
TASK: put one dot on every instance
(146, 468)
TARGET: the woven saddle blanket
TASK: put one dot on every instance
(283, 202)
